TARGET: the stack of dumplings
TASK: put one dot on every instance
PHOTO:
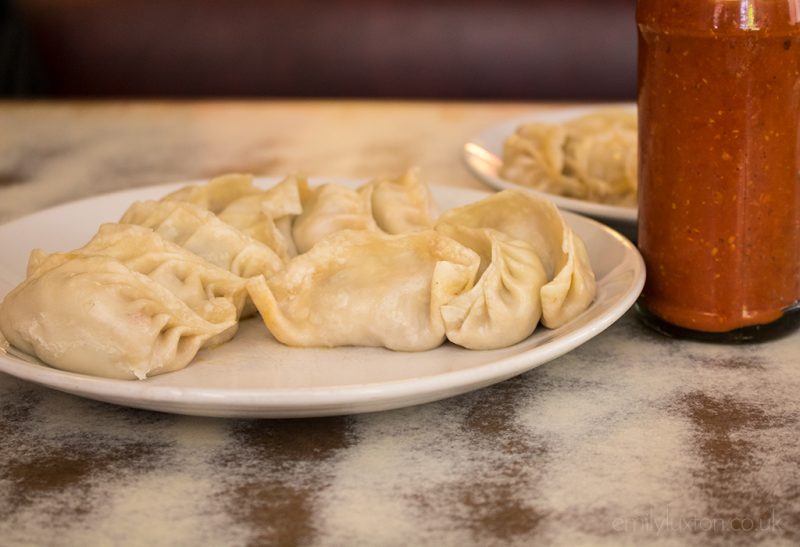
(323, 266)
(593, 157)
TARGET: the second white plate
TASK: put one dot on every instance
(483, 156)
(255, 376)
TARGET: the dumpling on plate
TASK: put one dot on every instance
(258, 213)
(534, 156)
(93, 315)
(505, 305)
(570, 286)
(201, 232)
(267, 215)
(606, 161)
(401, 205)
(591, 157)
(330, 208)
(366, 288)
(217, 193)
(283, 203)
(283, 199)
(602, 120)
(210, 291)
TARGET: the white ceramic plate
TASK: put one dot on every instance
(483, 156)
(255, 376)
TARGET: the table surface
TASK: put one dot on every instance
(632, 438)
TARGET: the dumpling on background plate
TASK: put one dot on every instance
(534, 156)
(604, 158)
(591, 157)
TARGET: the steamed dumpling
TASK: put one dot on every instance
(366, 288)
(283, 199)
(534, 156)
(267, 216)
(602, 120)
(504, 306)
(201, 232)
(255, 212)
(247, 216)
(401, 205)
(218, 193)
(570, 286)
(330, 208)
(591, 157)
(213, 293)
(93, 315)
(606, 162)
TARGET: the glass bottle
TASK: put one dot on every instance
(719, 173)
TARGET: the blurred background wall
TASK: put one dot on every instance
(452, 49)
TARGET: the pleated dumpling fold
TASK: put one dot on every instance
(571, 285)
(200, 231)
(210, 291)
(504, 306)
(260, 214)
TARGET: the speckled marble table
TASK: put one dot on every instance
(630, 439)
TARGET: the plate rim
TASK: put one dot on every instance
(322, 400)
(479, 166)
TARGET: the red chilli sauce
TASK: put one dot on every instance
(719, 173)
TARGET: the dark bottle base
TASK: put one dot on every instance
(788, 322)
